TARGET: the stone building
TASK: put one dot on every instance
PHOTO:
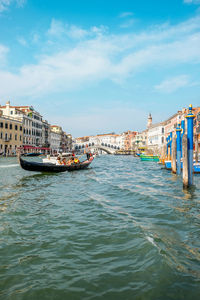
(11, 134)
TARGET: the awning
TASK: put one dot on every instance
(35, 148)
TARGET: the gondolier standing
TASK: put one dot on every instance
(87, 151)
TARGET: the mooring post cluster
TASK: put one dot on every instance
(181, 148)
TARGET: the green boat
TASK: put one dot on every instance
(144, 157)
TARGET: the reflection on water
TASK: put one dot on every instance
(123, 229)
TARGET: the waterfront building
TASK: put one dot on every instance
(156, 137)
(46, 135)
(56, 139)
(128, 140)
(172, 122)
(140, 140)
(11, 134)
(32, 123)
(66, 142)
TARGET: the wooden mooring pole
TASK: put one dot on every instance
(189, 181)
(185, 160)
(173, 161)
(178, 147)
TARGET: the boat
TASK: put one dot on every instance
(32, 154)
(52, 168)
(196, 166)
(144, 157)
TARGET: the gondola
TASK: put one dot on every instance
(52, 168)
(32, 154)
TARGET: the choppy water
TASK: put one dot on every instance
(123, 229)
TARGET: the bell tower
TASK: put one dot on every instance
(149, 123)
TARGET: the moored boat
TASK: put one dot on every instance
(145, 157)
(196, 166)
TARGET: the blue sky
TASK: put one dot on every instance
(97, 66)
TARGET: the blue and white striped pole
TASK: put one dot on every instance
(182, 133)
(190, 117)
(178, 147)
(170, 143)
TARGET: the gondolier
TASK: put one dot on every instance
(87, 151)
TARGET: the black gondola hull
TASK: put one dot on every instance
(51, 168)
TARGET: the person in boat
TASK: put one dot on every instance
(58, 161)
(87, 151)
(73, 160)
(64, 161)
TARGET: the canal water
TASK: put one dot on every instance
(123, 229)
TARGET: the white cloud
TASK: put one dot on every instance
(191, 1)
(172, 84)
(56, 28)
(127, 23)
(126, 14)
(103, 56)
(3, 54)
(4, 4)
(22, 41)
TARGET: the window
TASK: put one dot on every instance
(1, 135)
(10, 126)
(11, 112)
(163, 130)
(10, 136)
(16, 127)
(6, 125)
(15, 137)
(20, 138)
(1, 124)
(20, 128)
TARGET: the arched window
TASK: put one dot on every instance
(89, 144)
(102, 144)
(92, 144)
(106, 145)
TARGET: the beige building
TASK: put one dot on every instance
(11, 134)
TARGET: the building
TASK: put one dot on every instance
(56, 139)
(156, 137)
(32, 123)
(46, 135)
(11, 134)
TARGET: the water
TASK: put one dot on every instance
(123, 229)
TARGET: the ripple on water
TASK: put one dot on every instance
(123, 229)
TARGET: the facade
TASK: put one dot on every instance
(11, 134)
(156, 136)
(56, 139)
(128, 140)
(46, 134)
(140, 140)
(66, 142)
(32, 123)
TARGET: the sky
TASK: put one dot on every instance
(100, 66)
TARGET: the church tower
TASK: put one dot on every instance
(149, 123)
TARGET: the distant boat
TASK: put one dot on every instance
(144, 157)
(52, 168)
(196, 166)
